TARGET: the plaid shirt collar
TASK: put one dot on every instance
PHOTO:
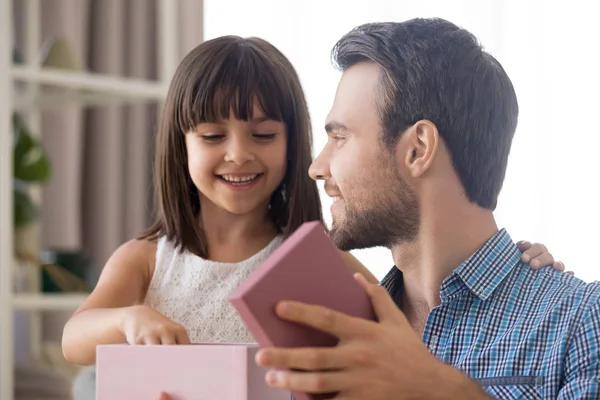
(481, 273)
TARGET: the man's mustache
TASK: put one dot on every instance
(331, 187)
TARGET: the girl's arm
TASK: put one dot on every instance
(99, 319)
(356, 266)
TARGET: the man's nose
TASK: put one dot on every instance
(319, 169)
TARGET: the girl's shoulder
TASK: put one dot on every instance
(138, 249)
(139, 254)
(125, 276)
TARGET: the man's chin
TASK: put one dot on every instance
(337, 223)
(348, 238)
(341, 238)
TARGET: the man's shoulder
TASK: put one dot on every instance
(551, 289)
(563, 282)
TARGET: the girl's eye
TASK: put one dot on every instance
(264, 136)
(212, 138)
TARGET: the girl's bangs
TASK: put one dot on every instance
(230, 89)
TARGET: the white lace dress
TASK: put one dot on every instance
(193, 292)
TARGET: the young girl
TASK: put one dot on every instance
(232, 155)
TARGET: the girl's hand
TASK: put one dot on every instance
(538, 256)
(144, 325)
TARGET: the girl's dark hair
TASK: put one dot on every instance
(222, 75)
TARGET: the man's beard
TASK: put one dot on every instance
(384, 212)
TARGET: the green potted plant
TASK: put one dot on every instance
(30, 166)
(61, 271)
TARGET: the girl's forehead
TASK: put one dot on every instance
(234, 106)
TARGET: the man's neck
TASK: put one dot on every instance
(446, 239)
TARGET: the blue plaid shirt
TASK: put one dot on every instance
(518, 332)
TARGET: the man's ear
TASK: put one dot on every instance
(419, 146)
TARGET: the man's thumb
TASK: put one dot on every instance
(383, 305)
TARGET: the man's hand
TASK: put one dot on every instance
(382, 360)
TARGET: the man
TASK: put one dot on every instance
(419, 137)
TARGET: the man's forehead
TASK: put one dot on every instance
(355, 95)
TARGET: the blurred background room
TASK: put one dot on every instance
(81, 83)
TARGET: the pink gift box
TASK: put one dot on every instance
(306, 267)
(186, 372)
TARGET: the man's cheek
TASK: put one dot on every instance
(340, 172)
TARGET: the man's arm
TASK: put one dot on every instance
(583, 359)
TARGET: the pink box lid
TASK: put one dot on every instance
(306, 267)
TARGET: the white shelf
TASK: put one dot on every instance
(108, 85)
(32, 87)
(6, 181)
(47, 301)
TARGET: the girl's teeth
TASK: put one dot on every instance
(239, 179)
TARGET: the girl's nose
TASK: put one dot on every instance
(239, 152)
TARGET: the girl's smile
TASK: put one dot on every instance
(240, 181)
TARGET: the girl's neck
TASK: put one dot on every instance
(233, 238)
